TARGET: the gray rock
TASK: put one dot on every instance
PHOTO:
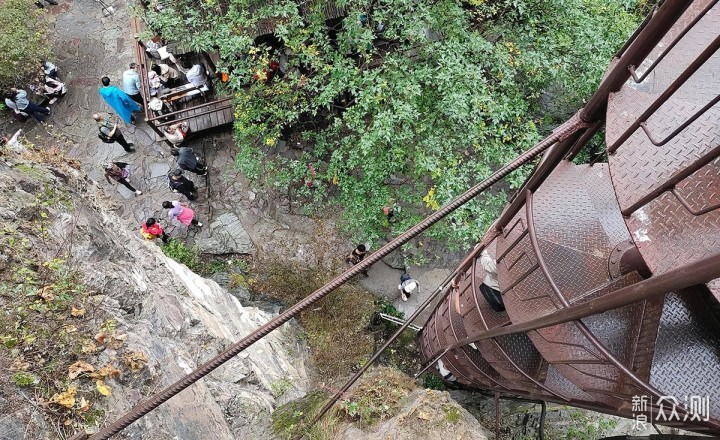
(159, 169)
(227, 237)
(11, 428)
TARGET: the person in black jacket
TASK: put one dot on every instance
(180, 184)
(186, 160)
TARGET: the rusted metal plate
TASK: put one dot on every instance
(686, 360)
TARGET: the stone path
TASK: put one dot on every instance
(87, 46)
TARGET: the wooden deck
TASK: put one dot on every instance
(204, 118)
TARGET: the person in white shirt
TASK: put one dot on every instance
(195, 74)
(490, 288)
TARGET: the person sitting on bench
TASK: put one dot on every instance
(195, 74)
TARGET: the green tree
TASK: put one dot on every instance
(404, 101)
(23, 42)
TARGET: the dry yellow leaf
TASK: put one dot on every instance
(116, 341)
(104, 389)
(88, 346)
(106, 371)
(46, 293)
(67, 422)
(77, 312)
(79, 368)
(19, 364)
(136, 360)
(66, 398)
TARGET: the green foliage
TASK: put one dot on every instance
(433, 382)
(23, 42)
(452, 413)
(184, 254)
(386, 306)
(461, 91)
(288, 420)
(23, 379)
(377, 396)
(335, 327)
(280, 387)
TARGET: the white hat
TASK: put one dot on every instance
(410, 287)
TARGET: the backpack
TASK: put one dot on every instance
(492, 297)
(105, 138)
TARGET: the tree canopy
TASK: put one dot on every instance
(23, 42)
(400, 101)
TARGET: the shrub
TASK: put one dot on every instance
(23, 42)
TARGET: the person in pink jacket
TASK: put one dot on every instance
(183, 214)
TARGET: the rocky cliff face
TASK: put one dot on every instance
(175, 317)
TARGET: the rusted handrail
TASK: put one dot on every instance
(670, 183)
(635, 34)
(683, 126)
(670, 46)
(650, 35)
(698, 62)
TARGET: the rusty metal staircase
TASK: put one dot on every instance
(576, 233)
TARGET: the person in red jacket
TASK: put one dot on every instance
(152, 230)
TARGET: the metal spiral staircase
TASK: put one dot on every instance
(577, 234)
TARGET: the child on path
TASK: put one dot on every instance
(183, 214)
(119, 172)
(407, 286)
(151, 230)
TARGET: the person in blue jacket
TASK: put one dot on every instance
(123, 105)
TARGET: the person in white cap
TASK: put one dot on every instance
(407, 286)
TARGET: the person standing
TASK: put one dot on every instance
(407, 286)
(151, 230)
(356, 256)
(119, 172)
(186, 160)
(181, 184)
(123, 105)
(17, 100)
(490, 288)
(181, 213)
(132, 84)
(110, 133)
